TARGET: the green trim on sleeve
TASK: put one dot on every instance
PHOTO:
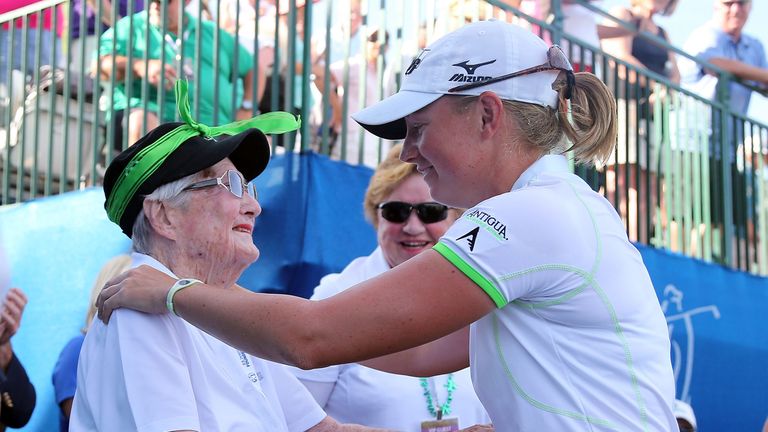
(493, 292)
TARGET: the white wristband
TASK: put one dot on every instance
(178, 286)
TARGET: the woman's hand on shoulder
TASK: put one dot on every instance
(143, 289)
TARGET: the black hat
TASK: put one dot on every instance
(158, 158)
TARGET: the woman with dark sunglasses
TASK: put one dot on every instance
(407, 222)
(566, 332)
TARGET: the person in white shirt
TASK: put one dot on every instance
(565, 329)
(182, 194)
(407, 222)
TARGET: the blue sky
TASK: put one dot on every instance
(692, 13)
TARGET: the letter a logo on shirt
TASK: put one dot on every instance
(471, 237)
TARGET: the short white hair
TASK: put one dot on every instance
(169, 193)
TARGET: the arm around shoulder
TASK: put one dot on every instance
(419, 301)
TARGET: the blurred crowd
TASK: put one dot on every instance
(348, 67)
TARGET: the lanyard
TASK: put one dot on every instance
(433, 406)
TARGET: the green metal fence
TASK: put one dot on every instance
(687, 174)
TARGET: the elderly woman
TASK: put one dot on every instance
(185, 200)
(566, 330)
(407, 222)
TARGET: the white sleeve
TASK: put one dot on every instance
(320, 382)
(321, 391)
(300, 409)
(474, 244)
(512, 254)
(145, 349)
(328, 287)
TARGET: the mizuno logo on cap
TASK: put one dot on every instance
(471, 68)
(460, 77)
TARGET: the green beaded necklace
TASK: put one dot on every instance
(444, 409)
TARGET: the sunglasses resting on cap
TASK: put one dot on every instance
(556, 60)
(399, 212)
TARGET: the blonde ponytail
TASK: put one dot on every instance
(592, 124)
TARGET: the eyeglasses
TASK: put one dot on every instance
(399, 212)
(556, 60)
(236, 185)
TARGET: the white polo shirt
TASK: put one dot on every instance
(579, 341)
(157, 372)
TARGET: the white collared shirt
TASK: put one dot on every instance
(157, 372)
(579, 341)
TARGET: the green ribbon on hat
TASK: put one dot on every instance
(277, 122)
(146, 162)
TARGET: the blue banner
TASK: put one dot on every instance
(717, 325)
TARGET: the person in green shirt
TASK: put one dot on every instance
(145, 62)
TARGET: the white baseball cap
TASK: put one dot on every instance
(685, 412)
(477, 52)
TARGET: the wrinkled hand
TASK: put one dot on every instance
(156, 73)
(143, 289)
(11, 315)
(479, 428)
